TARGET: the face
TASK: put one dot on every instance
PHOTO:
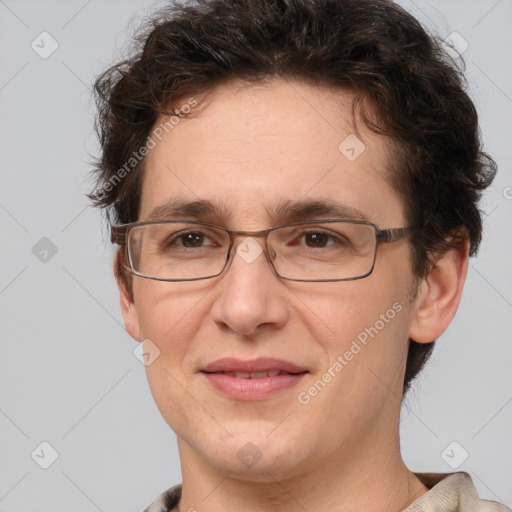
(247, 149)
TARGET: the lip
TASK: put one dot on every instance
(252, 389)
(220, 376)
(231, 364)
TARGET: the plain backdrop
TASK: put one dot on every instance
(68, 375)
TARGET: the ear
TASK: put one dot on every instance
(128, 308)
(439, 295)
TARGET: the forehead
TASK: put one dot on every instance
(250, 149)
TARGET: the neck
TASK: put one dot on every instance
(359, 479)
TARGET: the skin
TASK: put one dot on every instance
(245, 147)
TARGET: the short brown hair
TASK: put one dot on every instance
(416, 93)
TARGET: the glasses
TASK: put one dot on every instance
(323, 250)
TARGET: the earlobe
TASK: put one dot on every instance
(439, 295)
(128, 308)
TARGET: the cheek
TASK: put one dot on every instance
(346, 309)
(367, 323)
(170, 315)
(362, 372)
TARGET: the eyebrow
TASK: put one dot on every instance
(284, 211)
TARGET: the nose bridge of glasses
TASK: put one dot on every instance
(252, 249)
(236, 233)
(237, 237)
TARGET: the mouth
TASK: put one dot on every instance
(252, 380)
(255, 375)
(253, 366)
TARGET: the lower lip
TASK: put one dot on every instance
(252, 389)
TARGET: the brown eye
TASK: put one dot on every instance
(316, 239)
(192, 239)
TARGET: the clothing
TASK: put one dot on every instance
(449, 492)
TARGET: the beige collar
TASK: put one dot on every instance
(451, 492)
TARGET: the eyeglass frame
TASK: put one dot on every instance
(119, 235)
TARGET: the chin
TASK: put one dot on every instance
(252, 452)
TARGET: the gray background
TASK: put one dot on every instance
(68, 374)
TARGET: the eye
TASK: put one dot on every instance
(190, 239)
(313, 238)
(317, 239)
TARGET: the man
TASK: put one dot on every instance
(294, 187)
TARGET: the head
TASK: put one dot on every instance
(247, 105)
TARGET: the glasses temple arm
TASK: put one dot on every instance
(118, 235)
(393, 234)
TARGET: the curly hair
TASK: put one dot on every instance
(407, 88)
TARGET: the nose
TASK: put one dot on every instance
(250, 295)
